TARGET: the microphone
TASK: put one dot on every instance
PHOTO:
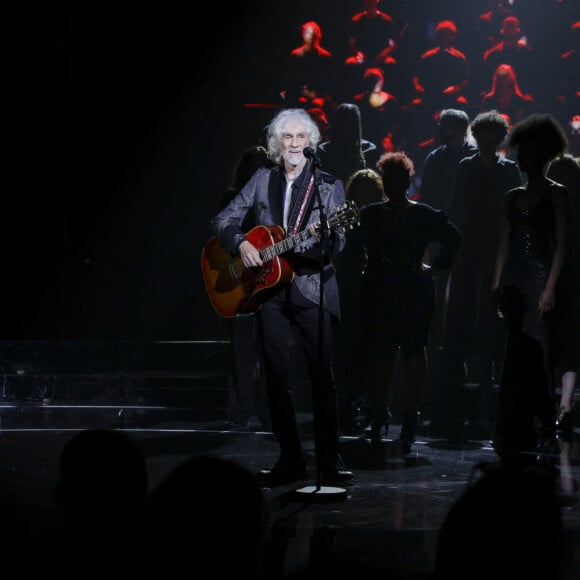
(309, 153)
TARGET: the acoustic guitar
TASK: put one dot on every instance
(234, 289)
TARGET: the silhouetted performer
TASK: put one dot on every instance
(512, 49)
(506, 96)
(532, 253)
(346, 153)
(565, 169)
(347, 150)
(441, 163)
(442, 74)
(381, 111)
(245, 393)
(311, 71)
(397, 290)
(436, 190)
(370, 44)
(568, 79)
(371, 37)
(286, 196)
(472, 338)
(364, 188)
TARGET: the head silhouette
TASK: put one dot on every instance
(210, 512)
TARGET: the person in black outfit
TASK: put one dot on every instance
(440, 165)
(244, 388)
(473, 335)
(310, 71)
(436, 189)
(565, 169)
(347, 150)
(396, 290)
(289, 196)
(531, 263)
(365, 187)
(343, 155)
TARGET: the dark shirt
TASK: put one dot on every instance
(395, 241)
(343, 162)
(388, 248)
(372, 34)
(439, 171)
(477, 206)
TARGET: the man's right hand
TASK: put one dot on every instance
(250, 255)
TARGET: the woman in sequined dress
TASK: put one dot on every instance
(529, 283)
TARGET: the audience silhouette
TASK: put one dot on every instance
(208, 513)
(99, 500)
(509, 522)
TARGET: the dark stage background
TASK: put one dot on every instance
(126, 119)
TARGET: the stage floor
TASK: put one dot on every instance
(388, 517)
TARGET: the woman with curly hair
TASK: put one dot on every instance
(530, 276)
(397, 291)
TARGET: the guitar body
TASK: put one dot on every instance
(234, 289)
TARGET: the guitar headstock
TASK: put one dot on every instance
(347, 216)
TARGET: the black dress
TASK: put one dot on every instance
(526, 404)
(530, 253)
(396, 298)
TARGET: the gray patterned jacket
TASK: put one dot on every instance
(263, 196)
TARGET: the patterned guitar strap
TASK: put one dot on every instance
(302, 202)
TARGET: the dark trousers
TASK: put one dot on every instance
(276, 316)
(245, 392)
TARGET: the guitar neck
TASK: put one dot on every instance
(344, 217)
(284, 245)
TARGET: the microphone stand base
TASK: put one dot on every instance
(320, 493)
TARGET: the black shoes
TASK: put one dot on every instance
(335, 476)
(282, 473)
(399, 448)
(565, 421)
(373, 431)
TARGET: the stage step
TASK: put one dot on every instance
(171, 373)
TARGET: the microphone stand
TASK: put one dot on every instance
(320, 492)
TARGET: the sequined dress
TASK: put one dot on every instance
(526, 394)
(531, 249)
